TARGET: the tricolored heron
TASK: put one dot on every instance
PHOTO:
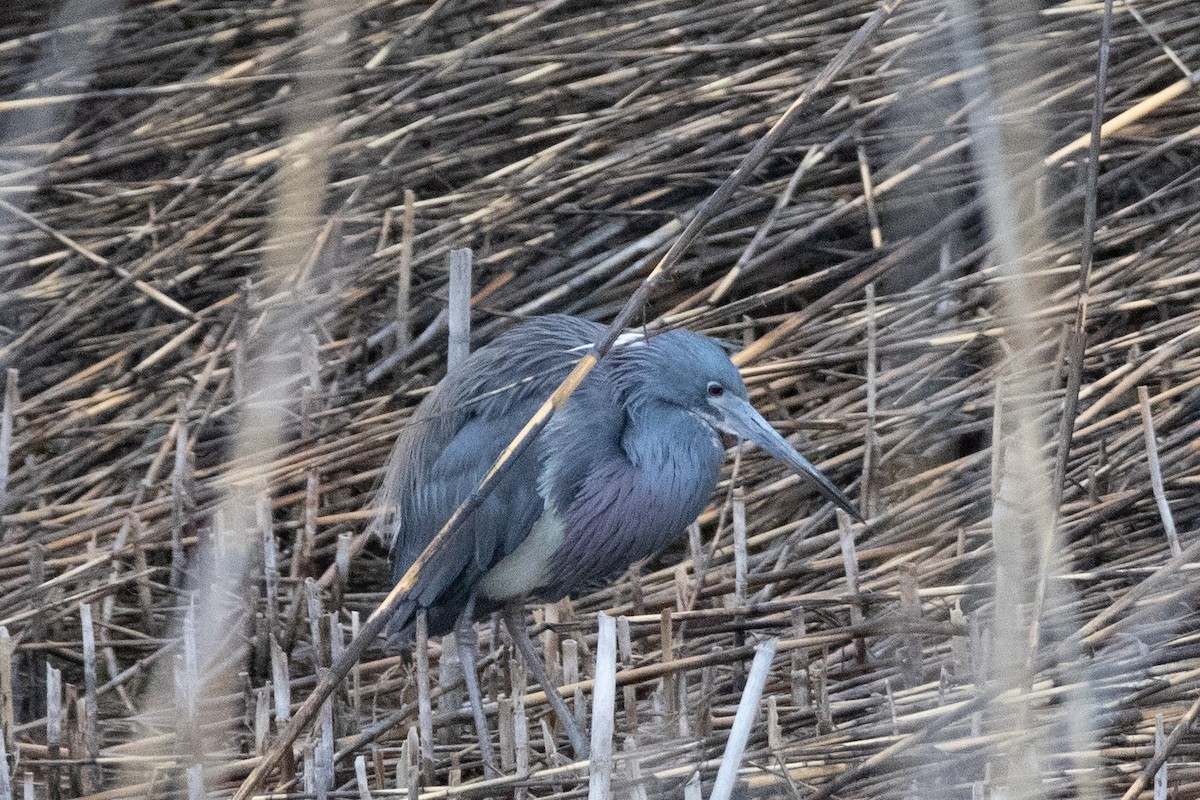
(621, 470)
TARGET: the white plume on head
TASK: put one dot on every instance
(627, 339)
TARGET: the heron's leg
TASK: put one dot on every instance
(514, 620)
(468, 645)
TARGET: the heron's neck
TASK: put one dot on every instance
(663, 437)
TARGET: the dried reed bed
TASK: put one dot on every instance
(568, 146)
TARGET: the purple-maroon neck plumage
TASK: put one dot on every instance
(651, 451)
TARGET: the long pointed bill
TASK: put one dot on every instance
(746, 422)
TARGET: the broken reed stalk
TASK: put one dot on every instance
(7, 715)
(362, 783)
(604, 697)
(11, 399)
(459, 307)
(747, 710)
(90, 736)
(740, 556)
(404, 274)
(424, 703)
(1156, 478)
(6, 782)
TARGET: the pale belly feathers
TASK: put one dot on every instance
(522, 570)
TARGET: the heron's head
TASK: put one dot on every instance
(694, 373)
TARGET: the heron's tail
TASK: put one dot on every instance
(402, 628)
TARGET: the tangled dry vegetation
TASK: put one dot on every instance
(224, 230)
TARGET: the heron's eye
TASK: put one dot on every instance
(715, 390)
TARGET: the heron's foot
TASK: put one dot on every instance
(577, 736)
(490, 769)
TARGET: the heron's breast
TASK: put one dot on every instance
(522, 570)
